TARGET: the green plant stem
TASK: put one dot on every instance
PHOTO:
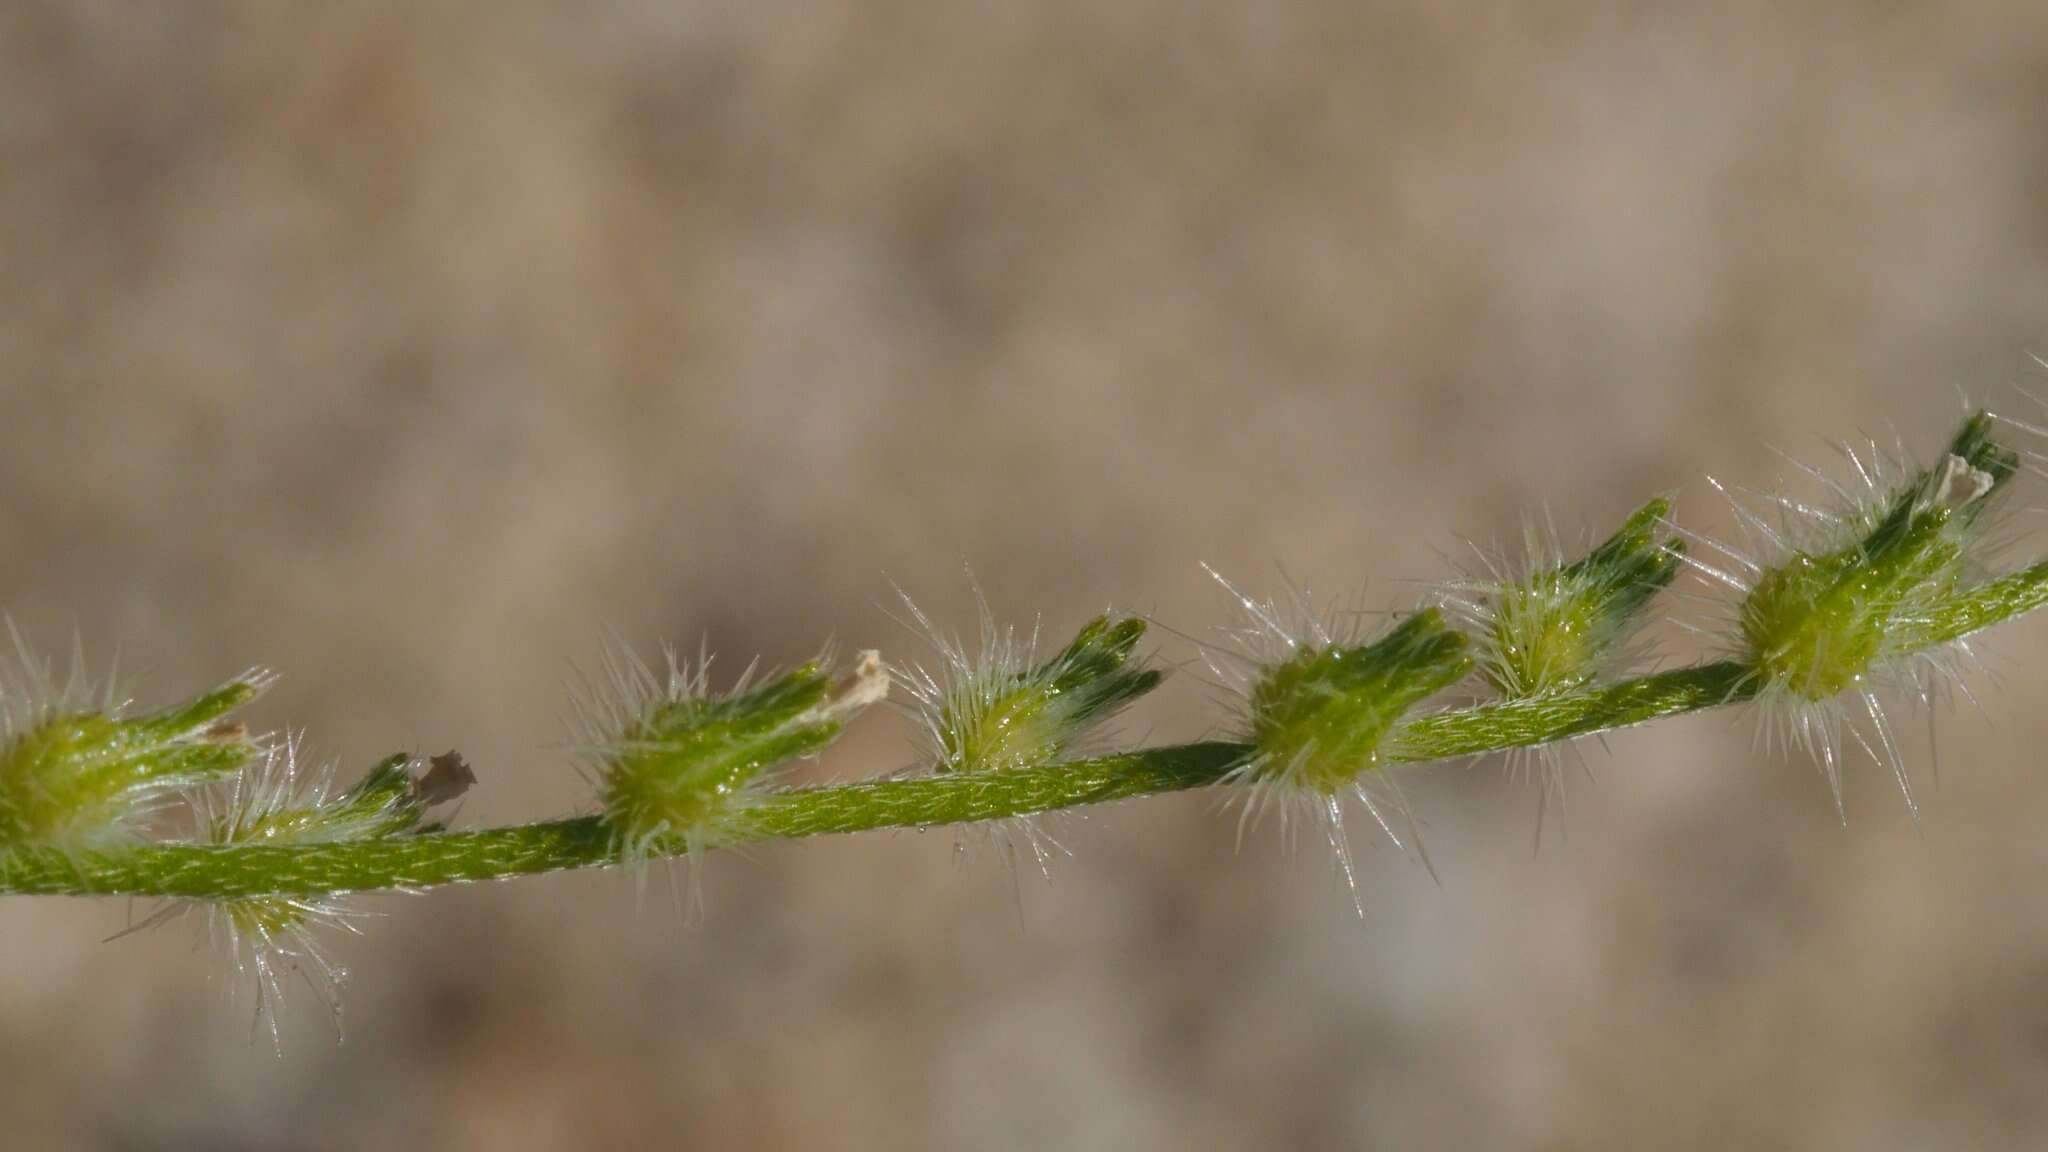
(216, 872)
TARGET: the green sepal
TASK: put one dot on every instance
(1554, 630)
(390, 800)
(687, 759)
(1323, 716)
(73, 774)
(1818, 623)
(1035, 717)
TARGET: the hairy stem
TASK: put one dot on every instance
(216, 872)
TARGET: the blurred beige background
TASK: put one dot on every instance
(408, 348)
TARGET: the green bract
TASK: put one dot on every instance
(69, 774)
(390, 800)
(283, 803)
(1816, 624)
(1002, 718)
(1556, 628)
(1320, 718)
(688, 757)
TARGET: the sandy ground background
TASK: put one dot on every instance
(408, 348)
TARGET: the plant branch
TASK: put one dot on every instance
(231, 871)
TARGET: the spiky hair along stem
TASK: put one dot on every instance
(1838, 597)
(1546, 625)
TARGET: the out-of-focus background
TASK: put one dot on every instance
(410, 348)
